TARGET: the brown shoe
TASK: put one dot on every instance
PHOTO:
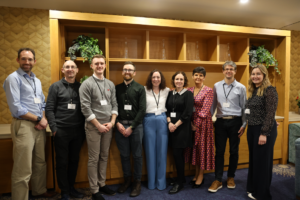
(46, 195)
(136, 190)
(125, 185)
(215, 186)
(230, 183)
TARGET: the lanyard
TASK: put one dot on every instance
(34, 89)
(157, 102)
(70, 94)
(198, 91)
(228, 92)
(99, 86)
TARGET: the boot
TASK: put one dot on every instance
(125, 185)
(136, 190)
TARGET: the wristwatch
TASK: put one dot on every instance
(38, 119)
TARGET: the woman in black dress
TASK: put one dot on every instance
(179, 112)
(262, 132)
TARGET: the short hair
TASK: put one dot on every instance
(200, 70)
(99, 56)
(162, 84)
(67, 61)
(231, 63)
(129, 63)
(26, 49)
(185, 78)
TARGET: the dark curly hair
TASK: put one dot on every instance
(162, 85)
(200, 70)
(185, 78)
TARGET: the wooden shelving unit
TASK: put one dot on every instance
(171, 45)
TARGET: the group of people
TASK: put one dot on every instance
(151, 116)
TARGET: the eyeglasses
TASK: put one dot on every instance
(70, 67)
(230, 69)
(128, 70)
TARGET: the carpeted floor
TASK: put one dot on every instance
(282, 188)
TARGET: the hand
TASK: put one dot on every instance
(194, 128)
(54, 133)
(120, 128)
(108, 125)
(277, 123)
(172, 127)
(102, 129)
(241, 131)
(262, 140)
(43, 122)
(39, 127)
(128, 132)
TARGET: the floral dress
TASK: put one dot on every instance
(202, 152)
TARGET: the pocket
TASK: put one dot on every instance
(92, 136)
(18, 127)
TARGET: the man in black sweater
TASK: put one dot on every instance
(67, 125)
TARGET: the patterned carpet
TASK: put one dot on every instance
(282, 188)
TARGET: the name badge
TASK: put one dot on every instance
(127, 107)
(247, 111)
(103, 102)
(157, 112)
(194, 109)
(226, 105)
(173, 114)
(37, 100)
(71, 106)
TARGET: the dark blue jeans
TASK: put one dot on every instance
(131, 144)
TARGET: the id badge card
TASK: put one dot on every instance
(226, 105)
(103, 102)
(173, 114)
(157, 112)
(71, 106)
(37, 100)
(127, 107)
(247, 111)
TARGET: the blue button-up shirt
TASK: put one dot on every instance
(20, 94)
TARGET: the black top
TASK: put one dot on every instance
(132, 94)
(182, 104)
(57, 112)
(262, 109)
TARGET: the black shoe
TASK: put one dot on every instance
(192, 182)
(174, 181)
(136, 189)
(125, 185)
(197, 186)
(106, 190)
(176, 188)
(75, 194)
(97, 196)
(65, 197)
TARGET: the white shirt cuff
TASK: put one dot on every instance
(91, 117)
(114, 112)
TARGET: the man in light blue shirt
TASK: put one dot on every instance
(26, 102)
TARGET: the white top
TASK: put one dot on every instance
(151, 103)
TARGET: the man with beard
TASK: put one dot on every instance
(229, 100)
(131, 99)
(100, 108)
(67, 125)
(26, 102)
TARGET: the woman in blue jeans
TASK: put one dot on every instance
(156, 130)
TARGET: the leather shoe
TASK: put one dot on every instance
(136, 190)
(65, 197)
(197, 186)
(97, 196)
(46, 195)
(176, 188)
(192, 182)
(174, 181)
(107, 190)
(75, 194)
(125, 185)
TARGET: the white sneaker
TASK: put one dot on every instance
(250, 196)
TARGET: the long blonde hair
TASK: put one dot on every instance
(265, 83)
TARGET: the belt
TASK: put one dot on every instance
(126, 122)
(229, 117)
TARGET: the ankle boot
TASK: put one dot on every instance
(136, 190)
(125, 185)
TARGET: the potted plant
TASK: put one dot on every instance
(87, 46)
(262, 55)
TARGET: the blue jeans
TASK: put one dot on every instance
(133, 143)
(156, 148)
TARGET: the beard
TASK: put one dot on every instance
(26, 69)
(127, 78)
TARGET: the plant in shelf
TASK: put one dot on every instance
(87, 46)
(262, 55)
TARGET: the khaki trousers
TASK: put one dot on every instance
(98, 150)
(29, 159)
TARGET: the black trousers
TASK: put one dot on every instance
(260, 162)
(227, 128)
(178, 154)
(67, 142)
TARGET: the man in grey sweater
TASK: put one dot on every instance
(100, 108)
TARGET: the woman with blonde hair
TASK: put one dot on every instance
(262, 132)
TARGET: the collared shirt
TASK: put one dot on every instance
(132, 94)
(236, 98)
(19, 88)
(154, 99)
(181, 92)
